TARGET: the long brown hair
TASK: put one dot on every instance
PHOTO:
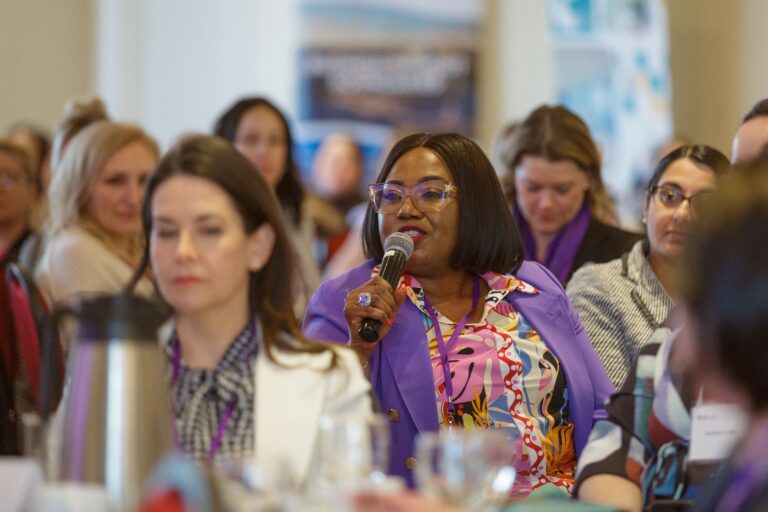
(271, 292)
(557, 134)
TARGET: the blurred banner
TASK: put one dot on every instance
(377, 70)
(612, 68)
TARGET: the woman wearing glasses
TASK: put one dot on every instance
(621, 302)
(472, 337)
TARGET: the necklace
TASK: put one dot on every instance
(443, 347)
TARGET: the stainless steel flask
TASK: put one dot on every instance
(117, 420)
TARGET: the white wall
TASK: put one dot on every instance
(516, 66)
(186, 69)
(45, 58)
(718, 60)
(175, 65)
(753, 44)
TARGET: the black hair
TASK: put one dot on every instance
(289, 190)
(700, 153)
(759, 109)
(488, 238)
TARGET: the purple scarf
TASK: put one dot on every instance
(563, 248)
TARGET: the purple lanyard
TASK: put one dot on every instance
(443, 347)
(223, 421)
(747, 478)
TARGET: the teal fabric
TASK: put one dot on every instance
(551, 498)
(555, 505)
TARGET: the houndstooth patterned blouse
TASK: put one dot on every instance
(214, 408)
(620, 304)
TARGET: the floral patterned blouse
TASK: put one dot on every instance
(504, 376)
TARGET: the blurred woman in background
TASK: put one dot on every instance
(260, 131)
(558, 199)
(37, 143)
(77, 115)
(94, 228)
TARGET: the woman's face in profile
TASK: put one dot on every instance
(261, 138)
(549, 194)
(200, 253)
(115, 196)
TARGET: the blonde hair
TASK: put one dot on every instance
(78, 114)
(557, 134)
(86, 155)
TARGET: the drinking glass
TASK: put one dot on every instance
(471, 469)
(354, 448)
(353, 455)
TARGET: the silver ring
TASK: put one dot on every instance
(364, 299)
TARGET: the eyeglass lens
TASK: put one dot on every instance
(672, 197)
(427, 197)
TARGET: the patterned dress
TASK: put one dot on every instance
(645, 437)
(504, 376)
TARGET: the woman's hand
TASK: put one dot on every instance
(383, 307)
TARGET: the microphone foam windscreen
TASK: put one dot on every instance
(399, 242)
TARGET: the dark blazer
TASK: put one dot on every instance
(603, 243)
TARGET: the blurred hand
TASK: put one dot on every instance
(384, 305)
(404, 502)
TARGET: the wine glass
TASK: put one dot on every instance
(471, 469)
(353, 455)
(353, 448)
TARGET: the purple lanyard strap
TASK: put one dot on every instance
(749, 474)
(443, 347)
(225, 418)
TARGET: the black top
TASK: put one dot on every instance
(603, 243)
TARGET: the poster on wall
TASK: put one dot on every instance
(377, 70)
(612, 68)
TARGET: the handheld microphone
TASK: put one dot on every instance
(398, 247)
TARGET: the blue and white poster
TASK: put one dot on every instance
(377, 70)
(612, 68)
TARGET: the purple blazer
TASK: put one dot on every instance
(401, 372)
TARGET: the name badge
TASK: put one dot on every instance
(715, 429)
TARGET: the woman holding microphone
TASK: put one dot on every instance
(472, 337)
